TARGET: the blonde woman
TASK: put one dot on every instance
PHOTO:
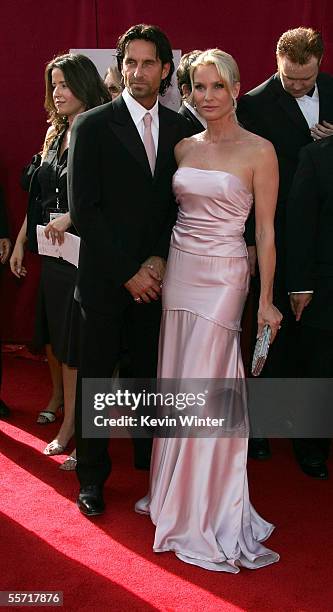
(198, 498)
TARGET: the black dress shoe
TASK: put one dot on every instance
(4, 410)
(259, 448)
(90, 501)
(311, 454)
(313, 468)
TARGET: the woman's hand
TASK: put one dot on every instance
(158, 264)
(16, 260)
(57, 227)
(269, 315)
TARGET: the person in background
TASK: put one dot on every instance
(113, 81)
(309, 231)
(5, 245)
(198, 123)
(290, 109)
(73, 86)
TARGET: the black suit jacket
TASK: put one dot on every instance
(269, 111)
(3, 217)
(310, 231)
(196, 125)
(122, 214)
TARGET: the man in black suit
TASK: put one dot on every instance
(4, 254)
(198, 124)
(291, 108)
(310, 276)
(122, 205)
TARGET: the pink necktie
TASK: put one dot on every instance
(148, 141)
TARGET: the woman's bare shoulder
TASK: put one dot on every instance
(185, 145)
(258, 144)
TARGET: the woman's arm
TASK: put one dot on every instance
(265, 184)
(18, 252)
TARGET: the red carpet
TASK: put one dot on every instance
(108, 563)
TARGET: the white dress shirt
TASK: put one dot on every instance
(137, 112)
(309, 106)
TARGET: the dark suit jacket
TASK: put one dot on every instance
(310, 231)
(196, 125)
(122, 214)
(3, 217)
(269, 111)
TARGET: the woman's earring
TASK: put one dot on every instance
(234, 103)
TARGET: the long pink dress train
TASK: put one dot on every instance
(198, 498)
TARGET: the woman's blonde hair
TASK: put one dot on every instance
(224, 64)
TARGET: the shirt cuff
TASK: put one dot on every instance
(292, 292)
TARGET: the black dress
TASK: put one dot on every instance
(57, 312)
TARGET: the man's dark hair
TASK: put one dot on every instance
(183, 70)
(152, 34)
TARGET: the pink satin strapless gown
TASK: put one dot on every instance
(198, 497)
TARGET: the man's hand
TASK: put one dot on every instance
(299, 301)
(5, 245)
(158, 264)
(252, 255)
(145, 285)
(321, 130)
(56, 228)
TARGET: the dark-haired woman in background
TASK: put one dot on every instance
(73, 86)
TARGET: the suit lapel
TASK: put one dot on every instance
(290, 106)
(124, 128)
(165, 139)
(196, 124)
(325, 101)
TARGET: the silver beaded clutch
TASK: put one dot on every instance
(261, 351)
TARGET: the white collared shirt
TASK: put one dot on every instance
(196, 114)
(309, 106)
(137, 112)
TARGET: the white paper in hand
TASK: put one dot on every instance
(69, 250)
